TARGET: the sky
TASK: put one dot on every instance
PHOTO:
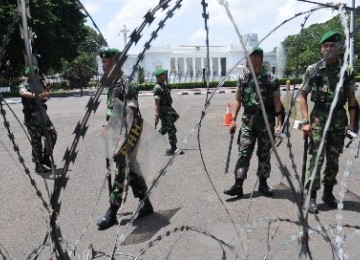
(187, 26)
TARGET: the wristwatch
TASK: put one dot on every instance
(305, 121)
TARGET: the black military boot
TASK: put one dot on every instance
(328, 196)
(264, 188)
(39, 168)
(313, 207)
(109, 219)
(146, 209)
(173, 151)
(236, 189)
(46, 161)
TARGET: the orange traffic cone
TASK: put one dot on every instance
(228, 115)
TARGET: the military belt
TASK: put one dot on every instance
(255, 111)
(327, 106)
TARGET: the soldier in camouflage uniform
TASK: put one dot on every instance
(164, 110)
(136, 180)
(321, 79)
(253, 125)
(33, 120)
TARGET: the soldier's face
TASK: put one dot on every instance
(106, 64)
(33, 77)
(327, 50)
(161, 78)
(256, 62)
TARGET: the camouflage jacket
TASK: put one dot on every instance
(163, 93)
(321, 82)
(118, 91)
(322, 79)
(268, 86)
(29, 105)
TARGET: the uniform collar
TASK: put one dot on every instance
(325, 65)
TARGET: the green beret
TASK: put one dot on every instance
(257, 51)
(159, 72)
(331, 36)
(109, 53)
(33, 69)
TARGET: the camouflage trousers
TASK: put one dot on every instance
(135, 181)
(168, 126)
(36, 132)
(247, 139)
(334, 145)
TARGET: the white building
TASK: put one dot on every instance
(186, 63)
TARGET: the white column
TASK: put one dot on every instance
(210, 68)
(185, 69)
(219, 67)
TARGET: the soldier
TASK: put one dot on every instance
(253, 125)
(136, 180)
(164, 110)
(321, 79)
(33, 121)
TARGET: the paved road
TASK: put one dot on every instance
(188, 199)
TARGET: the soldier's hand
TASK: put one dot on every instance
(278, 129)
(156, 120)
(349, 132)
(232, 127)
(44, 95)
(306, 130)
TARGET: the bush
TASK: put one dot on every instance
(292, 81)
(188, 85)
(56, 86)
(13, 83)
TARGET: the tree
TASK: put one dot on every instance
(303, 49)
(58, 27)
(140, 74)
(84, 66)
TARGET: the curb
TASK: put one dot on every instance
(11, 101)
(291, 89)
(194, 92)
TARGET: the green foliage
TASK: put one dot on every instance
(303, 49)
(57, 86)
(13, 83)
(357, 78)
(60, 35)
(188, 85)
(80, 71)
(292, 81)
(141, 74)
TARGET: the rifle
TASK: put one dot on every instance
(107, 159)
(303, 170)
(229, 153)
(108, 175)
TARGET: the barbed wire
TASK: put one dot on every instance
(80, 130)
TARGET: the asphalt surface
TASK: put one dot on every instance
(192, 215)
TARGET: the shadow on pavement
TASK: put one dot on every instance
(148, 226)
(281, 191)
(351, 200)
(351, 203)
(47, 174)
